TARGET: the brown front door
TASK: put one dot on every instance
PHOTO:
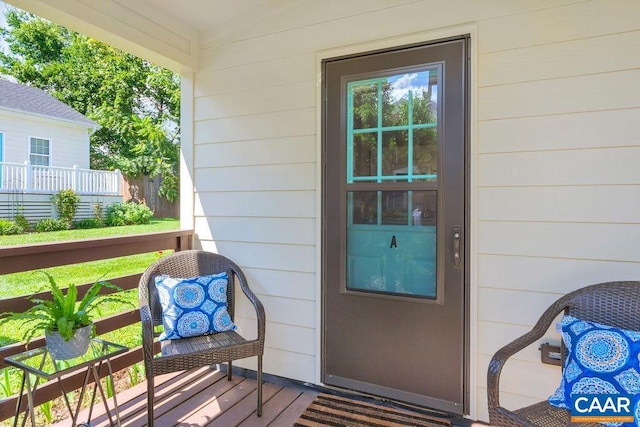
(394, 138)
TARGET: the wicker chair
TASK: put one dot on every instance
(188, 353)
(613, 303)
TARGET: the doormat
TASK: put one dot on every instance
(328, 410)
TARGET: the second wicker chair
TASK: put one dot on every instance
(615, 304)
(187, 353)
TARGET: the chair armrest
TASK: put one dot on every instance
(257, 304)
(500, 357)
(147, 334)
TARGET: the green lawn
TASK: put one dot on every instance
(156, 224)
(30, 282)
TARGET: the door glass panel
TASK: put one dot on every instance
(364, 207)
(425, 152)
(395, 208)
(424, 91)
(392, 127)
(364, 105)
(394, 107)
(365, 155)
(391, 242)
(425, 204)
(392, 140)
(394, 153)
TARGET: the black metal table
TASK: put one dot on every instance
(40, 363)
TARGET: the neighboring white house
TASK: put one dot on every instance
(44, 148)
(37, 127)
(550, 117)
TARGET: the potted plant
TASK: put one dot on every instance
(66, 321)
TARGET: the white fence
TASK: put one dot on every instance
(26, 178)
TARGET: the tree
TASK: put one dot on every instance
(136, 103)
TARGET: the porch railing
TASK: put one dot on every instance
(28, 178)
(14, 259)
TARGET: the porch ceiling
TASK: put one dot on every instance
(166, 32)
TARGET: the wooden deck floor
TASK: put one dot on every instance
(204, 397)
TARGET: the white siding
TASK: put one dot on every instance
(69, 143)
(556, 147)
(557, 181)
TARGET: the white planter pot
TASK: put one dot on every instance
(75, 347)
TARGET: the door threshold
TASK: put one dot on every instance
(456, 419)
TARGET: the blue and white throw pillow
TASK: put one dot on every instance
(600, 360)
(193, 306)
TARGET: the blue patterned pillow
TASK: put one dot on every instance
(194, 306)
(600, 360)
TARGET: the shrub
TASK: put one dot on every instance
(51, 224)
(87, 223)
(128, 214)
(22, 221)
(9, 227)
(66, 203)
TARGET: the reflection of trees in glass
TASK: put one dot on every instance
(416, 107)
(394, 112)
(365, 106)
(394, 152)
(365, 207)
(395, 207)
(425, 151)
(365, 154)
(424, 109)
(425, 141)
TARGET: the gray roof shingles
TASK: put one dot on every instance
(33, 100)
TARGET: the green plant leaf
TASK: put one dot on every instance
(70, 300)
(63, 313)
(91, 296)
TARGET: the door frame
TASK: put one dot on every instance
(470, 368)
